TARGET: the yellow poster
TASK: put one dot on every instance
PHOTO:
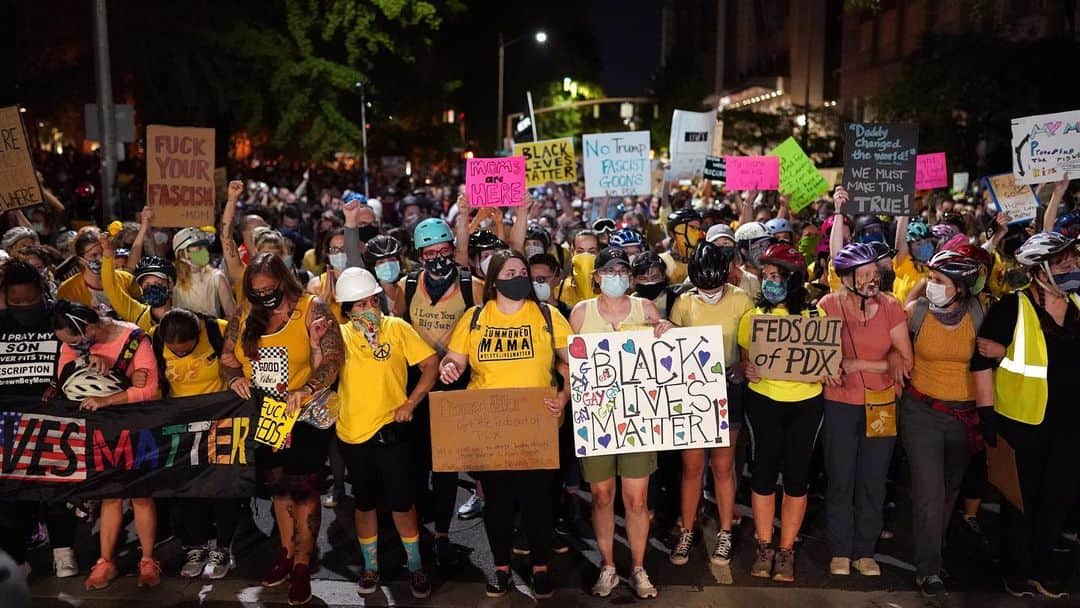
(274, 424)
(550, 160)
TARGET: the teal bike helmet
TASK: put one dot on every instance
(432, 231)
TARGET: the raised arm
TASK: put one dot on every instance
(461, 232)
(836, 235)
(1051, 214)
(145, 217)
(234, 266)
(521, 222)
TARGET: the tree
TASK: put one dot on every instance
(569, 122)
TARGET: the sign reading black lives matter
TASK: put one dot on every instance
(879, 168)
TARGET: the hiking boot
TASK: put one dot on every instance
(419, 584)
(500, 585)
(299, 585)
(642, 586)
(784, 566)
(149, 572)
(840, 566)
(471, 508)
(64, 562)
(681, 553)
(721, 555)
(763, 561)
(218, 564)
(194, 562)
(368, 583)
(103, 573)
(542, 588)
(866, 566)
(279, 570)
(606, 582)
(932, 586)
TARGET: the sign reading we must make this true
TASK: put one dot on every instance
(633, 392)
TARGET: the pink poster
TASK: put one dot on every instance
(930, 171)
(753, 172)
(495, 182)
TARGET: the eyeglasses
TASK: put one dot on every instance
(431, 254)
(333, 250)
(267, 291)
(614, 272)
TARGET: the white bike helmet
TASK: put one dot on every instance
(1041, 247)
(751, 231)
(84, 383)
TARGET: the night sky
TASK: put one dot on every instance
(628, 42)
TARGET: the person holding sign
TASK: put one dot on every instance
(860, 409)
(713, 302)
(268, 347)
(615, 310)
(513, 341)
(783, 417)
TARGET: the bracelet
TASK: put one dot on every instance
(233, 380)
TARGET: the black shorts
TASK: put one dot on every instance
(381, 469)
(304, 456)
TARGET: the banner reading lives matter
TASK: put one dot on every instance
(192, 447)
(550, 160)
(632, 392)
(180, 175)
(19, 186)
(879, 168)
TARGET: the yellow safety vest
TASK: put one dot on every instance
(1020, 387)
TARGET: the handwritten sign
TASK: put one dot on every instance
(493, 430)
(752, 172)
(1046, 148)
(632, 392)
(690, 142)
(799, 178)
(960, 181)
(274, 424)
(19, 186)
(879, 168)
(495, 182)
(180, 175)
(794, 347)
(930, 171)
(551, 160)
(616, 164)
(715, 168)
(1018, 200)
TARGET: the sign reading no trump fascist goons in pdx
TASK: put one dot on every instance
(616, 164)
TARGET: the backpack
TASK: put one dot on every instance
(922, 306)
(413, 279)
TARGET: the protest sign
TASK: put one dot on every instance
(930, 171)
(633, 392)
(193, 447)
(495, 182)
(794, 347)
(715, 168)
(1018, 200)
(616, 164)
(1002, 473)
(1046, 148)
(180, 175)
(960, 181)
(551, 160)
(799, 178)
(879, 168)
(27, 359)
(274, 424)
(690, 142)
(752, 172)
(19, 186)
(493, 430)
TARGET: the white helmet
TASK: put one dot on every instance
(85, 382)
(187, 237)
(355, 284)
(751, 231)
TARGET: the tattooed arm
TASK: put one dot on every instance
(231, 369)
(234, 266)
(329, 354)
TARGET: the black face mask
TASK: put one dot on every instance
(366, 233)
(270, 300)
(650, 291)
(515, 289)
(29, 316)
(440, 268)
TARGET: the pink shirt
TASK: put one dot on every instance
(144, 359)
(869, 341)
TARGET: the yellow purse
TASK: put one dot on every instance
(880, 412)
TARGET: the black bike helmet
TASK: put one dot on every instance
(383, 246)
(536, 233)
(155, 266)
(483, 240)
(680, 217)
(708, 266)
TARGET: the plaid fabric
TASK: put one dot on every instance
(964, 411)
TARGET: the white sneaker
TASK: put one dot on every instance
(867, 566)
(194, 562)
(64, 562)
(840, 566)
(218, 564)
(472, 507)
(643, 587)
(606, 582)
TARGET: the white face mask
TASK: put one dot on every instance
(543, 291)
(484, 265)
(531, 250)
(938, 295)
(711, 298)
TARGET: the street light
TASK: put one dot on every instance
(540, 37)
(363, 133)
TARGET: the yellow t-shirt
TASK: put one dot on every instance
(198, 372)
(510, 351)
(75, 289)
(372, 381)
(690, 311)
(309, 264)
(676, 270)
(786, 391)
(284, 357)
(907, 277)
(435, 322)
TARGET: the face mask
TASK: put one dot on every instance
(711, 298)
(775, 292)
(980, 284)
(29, 316)
(938, 295)
(923, 251)
(94, 266)
(484, 265)
(440, 268)
(888, 277)
(872, 237)
(515, 289)
(156, 295)
(543, 291)
(650, 291)
(807, 245)
(367, 323)
(338, 260)
(270, 300)
(1068, 282)
(388, 272)
(615, 286)
(83, 346)
(531, 250)
(755, 252)
(366, 233)
(199, 258)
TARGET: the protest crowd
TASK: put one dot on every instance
(342, 317)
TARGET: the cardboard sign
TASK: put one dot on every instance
(799, 178)
(551, 160)
(180, 175)
(274, 424)
(1001, 472)
(752, 172)
(960, 181)
(1046, 148)
(631, 392)
(930, 171)
(493, 430)
(19, 186)
(495, 182)
(879, 168)
(616, 164)
(1018, 200)
(794, 347)
(715, 168)
(690, 143)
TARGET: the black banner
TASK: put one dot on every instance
(879, 168)
(196, 447)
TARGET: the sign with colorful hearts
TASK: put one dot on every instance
(632, 392)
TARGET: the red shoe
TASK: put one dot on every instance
(279, 570)
(149, 572)
(300, 585)
(103, 573)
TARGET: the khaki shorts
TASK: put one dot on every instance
(629, 466)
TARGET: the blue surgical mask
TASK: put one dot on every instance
(338, 260)
(775, 292)
(923, 251)
(614, 286)
(388, 272)
(543, 291)
(1068, 282)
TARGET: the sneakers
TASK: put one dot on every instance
(932, 586)
(500, 585)
(521, 544)
(149, 572)
(763, 561)
(784, 566)
(218, 564)
(866, 566)
(1019, 587)
(330, 500)
(299, 585)
(721, 555)
(369, 582)
(542, 588)
(419, 584)
(195, 562)
(472, 508)
(840, 566)
(606, 582)
(279, 570)
(642, 586)
(64, 562)
(972, 523)
(558, 545)
(103, 573)
(681, 553)
(1049, 587)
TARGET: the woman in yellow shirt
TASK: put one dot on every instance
(155, 277)
(510, 304)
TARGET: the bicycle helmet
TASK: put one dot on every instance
(354, 196)
(680, 217)
(974, 252)
(383, 246)
(916, 231)
(154, 266)
(708, 266)
(864, 223)
(785, 256)
(944, 231)
(537, 233)
(1068, 224)
(483, 240)
(853, 255)
(432, 231)
(627, 237)
(84, 383)
(1040, 248)
(960, 268)
(749, 232)
(778, 225)
(645, 262)
(882, 250)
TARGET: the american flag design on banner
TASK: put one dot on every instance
(42, 448)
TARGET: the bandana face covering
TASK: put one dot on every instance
(367, 323)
